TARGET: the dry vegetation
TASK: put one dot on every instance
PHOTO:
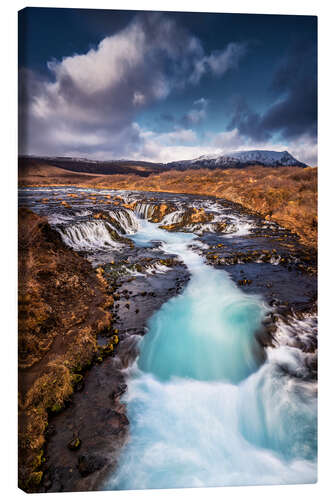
(61, 307)
(287, 195)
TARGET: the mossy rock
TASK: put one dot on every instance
(56, 408)
(34, 480)
(76, 378)
(38, 460)
(74, 444)
(108, 349)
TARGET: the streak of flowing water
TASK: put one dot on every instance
(88, 235)
(208, 405)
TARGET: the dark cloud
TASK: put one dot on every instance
(248, 122)
(294, 89)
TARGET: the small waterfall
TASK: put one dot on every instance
(144, 210)
(172, 218)
(126, 219)
(59, 218)
(89, 235)
(157, 268)
(83, 213)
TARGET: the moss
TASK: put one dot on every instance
(38, 460)
(34, 479)
(76, 378)
(56, 408)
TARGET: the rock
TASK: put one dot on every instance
(79, 386)
(108, 349)
(50, 431)
(35, 479)
(118, 392)
(87, 464)
(244, 282)
(77, 380)
(74, 444)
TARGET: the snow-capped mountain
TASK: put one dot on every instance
(241, 159)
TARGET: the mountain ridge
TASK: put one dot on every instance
(242, 158)
(237, 159)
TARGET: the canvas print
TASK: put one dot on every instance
(167, 250)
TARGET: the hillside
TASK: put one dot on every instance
(81, 165)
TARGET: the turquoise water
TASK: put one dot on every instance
(207, 405)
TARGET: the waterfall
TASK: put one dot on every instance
(127, 220)
(144, 210)
(172, 218)
(89, 235)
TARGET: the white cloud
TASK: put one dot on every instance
(184, 145)
(138, 99)
(198, 113)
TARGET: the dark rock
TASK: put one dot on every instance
(50, 431)
(118, 392)
(87, 464)
(74, 444)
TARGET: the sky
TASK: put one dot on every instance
(165, 86)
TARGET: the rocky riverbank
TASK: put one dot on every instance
(62, 305)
